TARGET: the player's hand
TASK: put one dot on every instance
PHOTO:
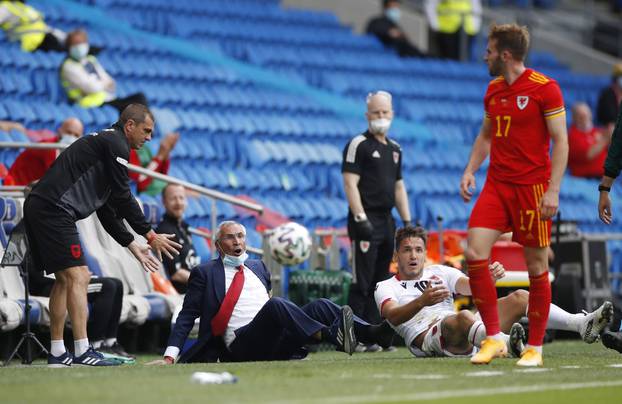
(549, 204)
(141, 252)
(604, 208)
(467, 186)
(163, 243)
(497, 270)
(434, 294)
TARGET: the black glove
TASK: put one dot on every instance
(407, 223)
(364, 230)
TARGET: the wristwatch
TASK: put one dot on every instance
(602, 188)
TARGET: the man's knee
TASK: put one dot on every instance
(475, 253)
(464, 319)
(77, 276)
(519, 298)
(276, 302)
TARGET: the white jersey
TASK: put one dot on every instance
(403, 292)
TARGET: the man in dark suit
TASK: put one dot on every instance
(240, 321)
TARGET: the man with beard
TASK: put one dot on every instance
(524, 111)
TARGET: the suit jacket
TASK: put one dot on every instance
(206, 291)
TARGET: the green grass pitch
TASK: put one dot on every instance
(574, 372)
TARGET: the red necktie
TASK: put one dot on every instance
(221, 319)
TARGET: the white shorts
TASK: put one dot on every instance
(433, 344)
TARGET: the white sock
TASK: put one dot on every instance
(97, 344)
(57, 347)
(477, 333)
(80, 346)
(110, 341)
(538, 348)
(560, 319)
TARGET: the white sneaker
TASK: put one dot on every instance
(595, 321)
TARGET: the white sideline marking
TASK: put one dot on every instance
(410, 377)
(616, 365)
(480, 392)
(532, 370)
(571, 367)
(484, 373)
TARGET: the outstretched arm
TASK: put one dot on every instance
(479, 152)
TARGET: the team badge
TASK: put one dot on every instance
(364, 245)
(76, 252)
(396, 157)
(522, 101)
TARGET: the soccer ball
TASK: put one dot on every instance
(290, 244)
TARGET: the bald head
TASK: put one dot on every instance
(71, 126)
(582, 116)
(379, 112)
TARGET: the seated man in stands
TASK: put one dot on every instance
(418, 303)
(31, 164)
(587, 144)
(241, 322)
(85, 80)
(178, 268)
(25, 24)
(385, 27)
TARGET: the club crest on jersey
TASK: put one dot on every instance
(396, 157)
(364, 246)
(522, 101)
(76, 251)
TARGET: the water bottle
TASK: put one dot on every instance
(213, 378)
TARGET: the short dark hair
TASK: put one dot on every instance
(408, 232)
(513, 38)
(385, 3)
(136, 112)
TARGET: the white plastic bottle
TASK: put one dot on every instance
(213, 378)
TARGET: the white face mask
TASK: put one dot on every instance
(380, 125)
(79, 52)
(393, 14)
(67, 139)
(233, 261)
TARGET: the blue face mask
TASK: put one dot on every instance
(79, 52)
(393, 14)
(233, 261)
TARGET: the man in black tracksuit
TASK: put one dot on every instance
(373, 182)
(89, 176)
(178, 269)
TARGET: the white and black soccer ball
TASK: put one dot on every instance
(290, 244)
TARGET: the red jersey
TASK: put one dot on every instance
(31, 164)
(519, 151)
(580, 143)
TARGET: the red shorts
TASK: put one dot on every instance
(511, 207)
